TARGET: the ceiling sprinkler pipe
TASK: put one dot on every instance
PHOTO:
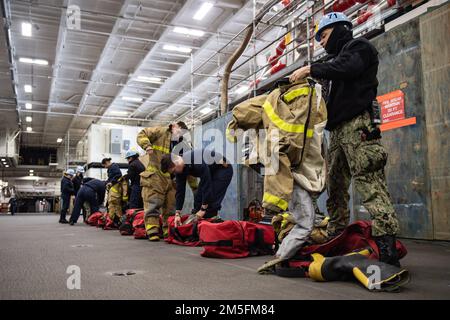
(235, 56)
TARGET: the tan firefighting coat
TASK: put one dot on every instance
(293, 118)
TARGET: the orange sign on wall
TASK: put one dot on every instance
(392, 106)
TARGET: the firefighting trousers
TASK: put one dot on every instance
(302, 209)
(351, 157)
(114, 205)
(278, 185)
(158, 198)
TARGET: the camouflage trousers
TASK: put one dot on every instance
(364, 161)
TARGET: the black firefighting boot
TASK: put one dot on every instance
(387, 249)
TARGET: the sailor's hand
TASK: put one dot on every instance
(177, 220)
(149, 150)
(300, 74)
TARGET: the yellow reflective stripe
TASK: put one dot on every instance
(151, 168)
(230, 138)
(276, 201)
(361, 277)
(309, 133)
(280, 123)
(291, 95)
(114, 189)
(161, 148)
(315, 268)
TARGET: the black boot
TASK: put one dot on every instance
(63, 221)
(387, 248)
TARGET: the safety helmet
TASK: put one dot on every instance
(330, 19)
(80, 169)
(70, 172)
(131, 153)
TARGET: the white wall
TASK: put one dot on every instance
(98, 141)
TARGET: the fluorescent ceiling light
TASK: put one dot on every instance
(59, 140)
(171, 47)
(27, 29)
(133, 99)
(28, 106)
(28, 88)
(241, 89)
(190, 32)
(41, 62)
(6, 165)
(31, 174)
(149, 79)
(121, 113)
(3, 159)
(26, 60)
(28, 119)
(109, 124)
(206, 110)
(204, 9)
(31, 170)
(29, 129)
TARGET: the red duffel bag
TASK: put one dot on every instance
(186, 234)
(93, 218)
(110, 224)
(101, 222)
(126, 226)
(236, 239)
(139, 226)
(355, 237)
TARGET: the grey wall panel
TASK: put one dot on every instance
(204, 137)
(435, 47)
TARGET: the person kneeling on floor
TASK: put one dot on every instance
(215, 175)
(92, 192)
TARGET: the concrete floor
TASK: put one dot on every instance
(35, 252)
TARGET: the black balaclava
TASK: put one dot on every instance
(340, 35)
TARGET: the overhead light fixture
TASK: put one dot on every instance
(27, 29)
(6, 165)
(28, 88)
(206, 110)
(190, 32)
(133, 99)
(119, 113)
(59, 140)
(3, 159)
(109, 124)
(171, 47)
(31, 170)
(241, 89)
(41, 62)
(28, 106)
(204, 9)
(29, 129)
(31, 174)
(28, 119)
(149, 79)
